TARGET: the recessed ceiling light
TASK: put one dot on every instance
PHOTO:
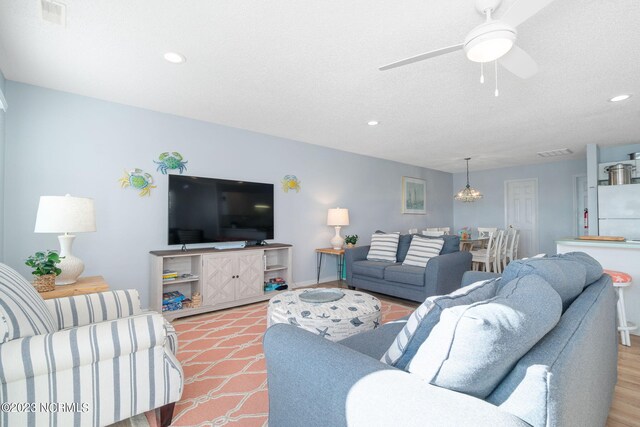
(620, 98)
(174, 58)
(372, 123)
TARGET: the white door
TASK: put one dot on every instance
(521, 212)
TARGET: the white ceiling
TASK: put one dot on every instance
(307, 70)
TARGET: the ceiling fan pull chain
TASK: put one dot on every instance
(482, 72)
(497, 93)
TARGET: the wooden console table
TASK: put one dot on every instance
(84, 285)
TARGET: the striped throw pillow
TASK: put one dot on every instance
(22, 311)
(425, 317)
(422, 250)
(383, 247)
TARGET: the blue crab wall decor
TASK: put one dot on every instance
(169, 161)
(138, 179)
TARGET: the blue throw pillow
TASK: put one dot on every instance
(566, 276)
(473, 347)
(451, 243)
(425, 317)
(403, 246)
(592, 266)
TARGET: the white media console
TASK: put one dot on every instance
(224, 277)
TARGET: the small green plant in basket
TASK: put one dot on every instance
(44, 263)
(45, 269)
(351, 240)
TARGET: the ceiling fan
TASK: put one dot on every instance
(493, 40)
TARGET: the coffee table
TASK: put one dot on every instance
(355, 312)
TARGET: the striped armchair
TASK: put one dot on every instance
(88, 360)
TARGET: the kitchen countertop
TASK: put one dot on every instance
(601, 243)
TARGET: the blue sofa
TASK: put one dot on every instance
(566, 379)
(441, 275)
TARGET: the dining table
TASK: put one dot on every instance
(468, 244)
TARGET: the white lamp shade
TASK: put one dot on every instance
(65, 214)
(338, 217)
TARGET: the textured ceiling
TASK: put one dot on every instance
(307, 70)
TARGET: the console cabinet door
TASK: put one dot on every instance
(249, 275)
(218, 285)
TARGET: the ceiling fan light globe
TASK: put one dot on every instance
(489, 41)
(489, 50)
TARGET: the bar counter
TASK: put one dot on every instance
(621, 256)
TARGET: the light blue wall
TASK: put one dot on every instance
(59, 143)
(2, 180)
(618, 152)
(555, 199)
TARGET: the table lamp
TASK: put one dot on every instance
(66, 214)
(337, 217)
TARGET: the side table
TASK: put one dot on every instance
(339, 253)
(84, 285)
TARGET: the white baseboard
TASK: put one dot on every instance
(313, 282)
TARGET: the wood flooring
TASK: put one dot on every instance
(625, 409)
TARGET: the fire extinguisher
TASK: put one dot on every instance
(586, 218)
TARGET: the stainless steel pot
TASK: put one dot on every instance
(634, 156)
(619, 174)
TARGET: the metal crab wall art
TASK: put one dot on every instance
(139, 180)
(290, 182)
(169, 161)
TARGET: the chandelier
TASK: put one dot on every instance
(468, 194)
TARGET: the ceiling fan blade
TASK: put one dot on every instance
(422, 57)
(522, 10)
(519, 63)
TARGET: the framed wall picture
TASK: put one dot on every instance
(414, 195)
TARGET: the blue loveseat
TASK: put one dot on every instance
(441, 275)
(567, 378)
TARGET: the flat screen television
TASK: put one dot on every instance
(208, 210)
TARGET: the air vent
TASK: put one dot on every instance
(554, 153)
(54, 12)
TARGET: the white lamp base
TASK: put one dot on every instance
(337, 241)
(71, 266)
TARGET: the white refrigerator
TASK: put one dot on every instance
(619, 210)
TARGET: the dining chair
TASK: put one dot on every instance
(501, 257)
(512, 250)
(483, 233)
(487, 257)
(443, 230)
(504, 253)
(432, 233)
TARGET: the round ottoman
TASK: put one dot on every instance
(355, 312)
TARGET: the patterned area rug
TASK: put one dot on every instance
(224, 366)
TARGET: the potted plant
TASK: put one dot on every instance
(45, 269)
(351, 240)
(465, 233)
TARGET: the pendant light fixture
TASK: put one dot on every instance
(468, 194)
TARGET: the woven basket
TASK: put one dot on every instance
(45, 283)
